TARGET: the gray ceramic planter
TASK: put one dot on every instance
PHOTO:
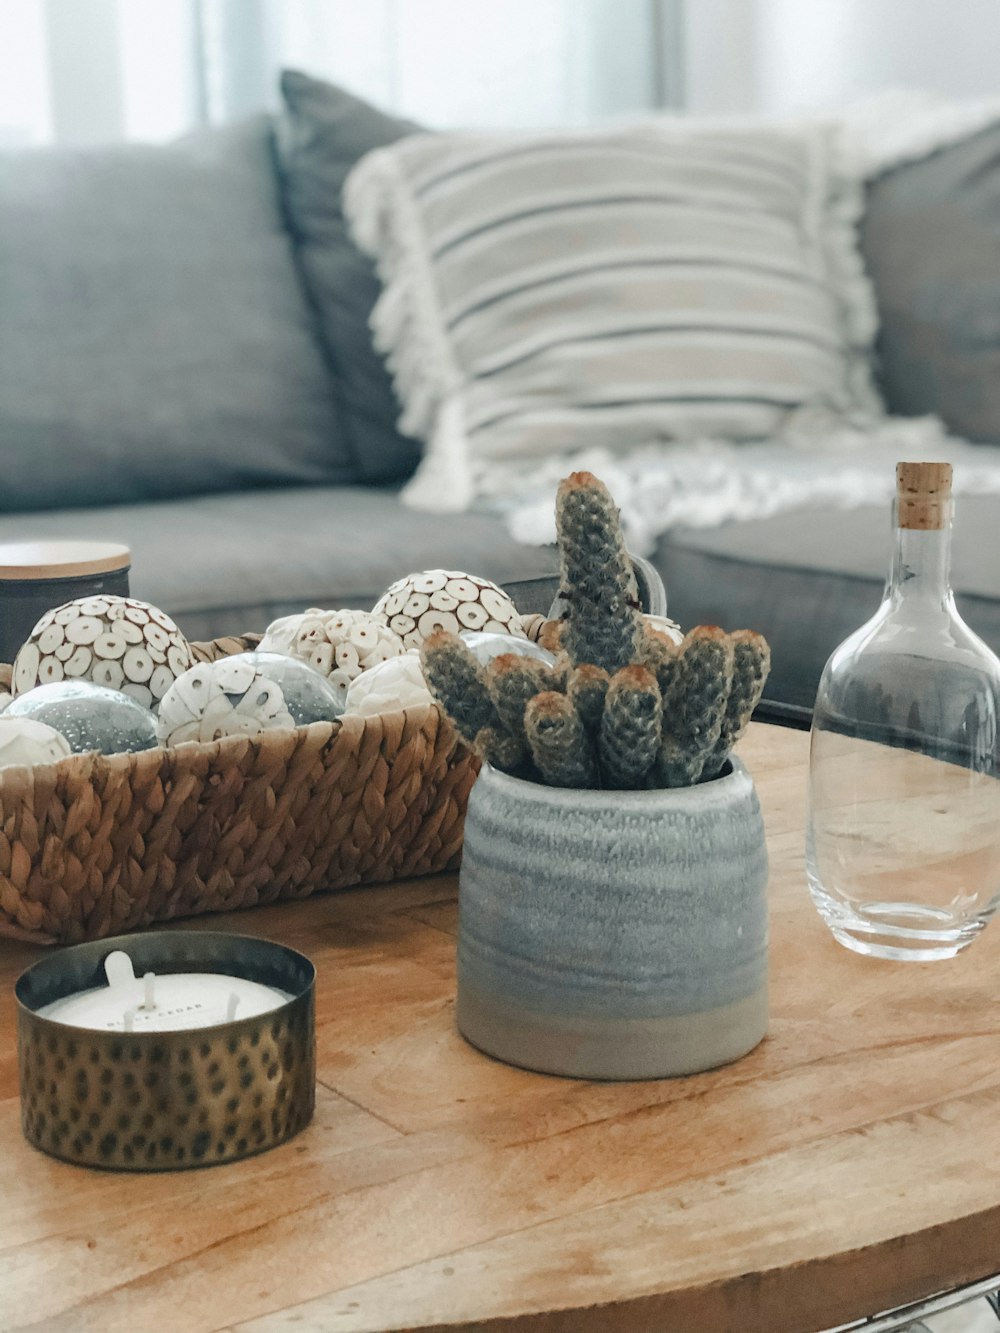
(614, 935)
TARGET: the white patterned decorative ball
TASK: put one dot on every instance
(435, 599)
(244, 695)
(118, 642)
(25, 741)
(308, 695)
(389, 687)
(338, 644)
(664, 625)
(91, 717)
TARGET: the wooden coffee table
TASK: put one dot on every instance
(849, 1165)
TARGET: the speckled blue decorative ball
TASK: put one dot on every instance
(91, 717)
(484, 645)
(308, 695)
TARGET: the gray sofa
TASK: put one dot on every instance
(185, 366)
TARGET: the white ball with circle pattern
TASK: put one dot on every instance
(664, 625)
(338, 644)
(419, 604)
(244, 695)
(118, 642)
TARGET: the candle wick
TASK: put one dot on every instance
(148, 998)
(129, 1019)
(234, 1000)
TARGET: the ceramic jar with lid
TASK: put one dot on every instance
(36, 576)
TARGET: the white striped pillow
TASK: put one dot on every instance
(660, 281)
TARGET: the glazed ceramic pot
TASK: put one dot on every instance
(614, 935)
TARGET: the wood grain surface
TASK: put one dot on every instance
(849, 1164)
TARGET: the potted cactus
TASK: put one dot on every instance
(612, 905)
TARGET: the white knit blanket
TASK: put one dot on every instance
(817, 461)
(703, 485)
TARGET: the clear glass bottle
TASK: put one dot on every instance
(903, 838)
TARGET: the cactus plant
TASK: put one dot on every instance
(623, 707)
(560, 744)
(630, 731)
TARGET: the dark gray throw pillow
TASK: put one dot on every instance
(155, 339)
(931, 240)
(322, 133)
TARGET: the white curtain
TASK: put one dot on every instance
(83, 71)
(780, 56)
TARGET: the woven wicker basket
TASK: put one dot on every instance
(95, 846)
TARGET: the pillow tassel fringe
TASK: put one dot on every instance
(444, 483)
(406, 326)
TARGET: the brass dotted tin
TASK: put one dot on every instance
(165, 1101)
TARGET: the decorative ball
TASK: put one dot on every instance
(91, 717)
(308, 695)
(389, 687)
(117, 642)
(533, 625)
(484, 645)
(339, 644)
(25, 741)
(244, 695)
(418, 605)
(667, 627)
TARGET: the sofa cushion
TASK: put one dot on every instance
(809, 578)
(931, 240)
(548, 292)
(227, 564)
(322, 133)
(154, 336)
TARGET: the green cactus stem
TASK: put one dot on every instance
(602, 622)
(658, 653)
(500, 749)
(586, 688)
(512, 680)
(694, 706)
(630, 728)
(751, 663)
(459, 684)
(559, 743)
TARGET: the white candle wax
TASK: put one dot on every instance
(172, 1002)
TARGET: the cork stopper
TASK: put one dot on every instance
(923, 495)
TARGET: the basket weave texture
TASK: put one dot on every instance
(100, 845)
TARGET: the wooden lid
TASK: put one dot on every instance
(61, 560)
(923, 492)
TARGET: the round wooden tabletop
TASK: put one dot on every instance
(846, 1166)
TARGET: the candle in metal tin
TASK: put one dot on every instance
(160, 1071)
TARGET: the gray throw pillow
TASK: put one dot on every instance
(323, 132)
(154, 336)
(931, 240)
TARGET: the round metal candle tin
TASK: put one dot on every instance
(164, 1101)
